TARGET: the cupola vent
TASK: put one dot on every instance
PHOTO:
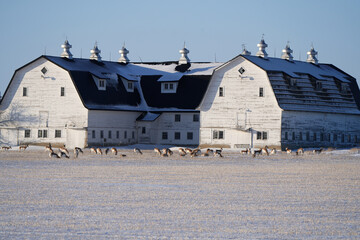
(312, 56)
(66, 53)
(262, 45)
(95, 53)
(287, 53)
(123, 55)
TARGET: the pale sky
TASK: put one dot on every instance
(156, 30)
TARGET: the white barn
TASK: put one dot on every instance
(249, 101)
(87, 102)
(257, 101)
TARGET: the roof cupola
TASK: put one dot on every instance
(95, 53)
(312, 56)
(245, 51)
(66, 53)
(184, 59)
(287, 53)
(123, 55)
(262, 45)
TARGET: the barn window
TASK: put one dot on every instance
(101, 83)
(355, 139)
(258, 135)
(241, 70)
(42, 133)
(334, 137)
(307, 136)
(101, 134)
(261, 92)
(109, 134)
(293, 136)
(125, 134)
(27, 133)
(321, 137)
(58, 133)
(177, 117)
(168, 87)
(24, 91)
(177, 135)
(218, 134)
(265, 135)
(93, 133)
(195, 117)
(62, 91)
(164, 135)
(342, 138)
(130, 85)
(292, 82)
(300, 136)
(117, 134)
(314, 136)
(318, 85)
(221, 92)
(143, 130)
(190, 135)
(44, 70)
(345, 88)
(286, 137)
(349, 138)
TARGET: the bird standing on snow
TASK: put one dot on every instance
(137, 150)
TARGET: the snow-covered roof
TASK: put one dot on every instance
(291, 68)
(304, 86)
(147, 79)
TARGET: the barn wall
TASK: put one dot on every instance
(330, 130)
(165, 124)
(118, 127)
(240, 109)
(43, 108)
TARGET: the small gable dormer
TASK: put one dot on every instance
(100, 83)
(169, 87)
(128, 84)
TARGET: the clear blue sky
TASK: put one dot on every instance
(156, 30)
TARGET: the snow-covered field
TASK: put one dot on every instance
(149, 197)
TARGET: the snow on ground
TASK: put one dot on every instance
(150, 197)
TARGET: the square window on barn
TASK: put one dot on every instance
(27, 133)
(265, 135)
(241, 70)
(215, 134)
(221, 135)
(62, 91)
(177, 136)
(196, 118)
(261, 92)
(164, 135)
(44, 70)
(177, 117)
(58, 133)
(24, 92)
(189, 136)
(42, 133)
(221, 92)
(258, 135)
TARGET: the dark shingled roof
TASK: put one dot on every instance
(190, 91)
(113, 95)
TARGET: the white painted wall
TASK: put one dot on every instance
(112, 121)
(241, 107)
(43, 108)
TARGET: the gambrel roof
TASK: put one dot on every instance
(147, 79)
(304, 86)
